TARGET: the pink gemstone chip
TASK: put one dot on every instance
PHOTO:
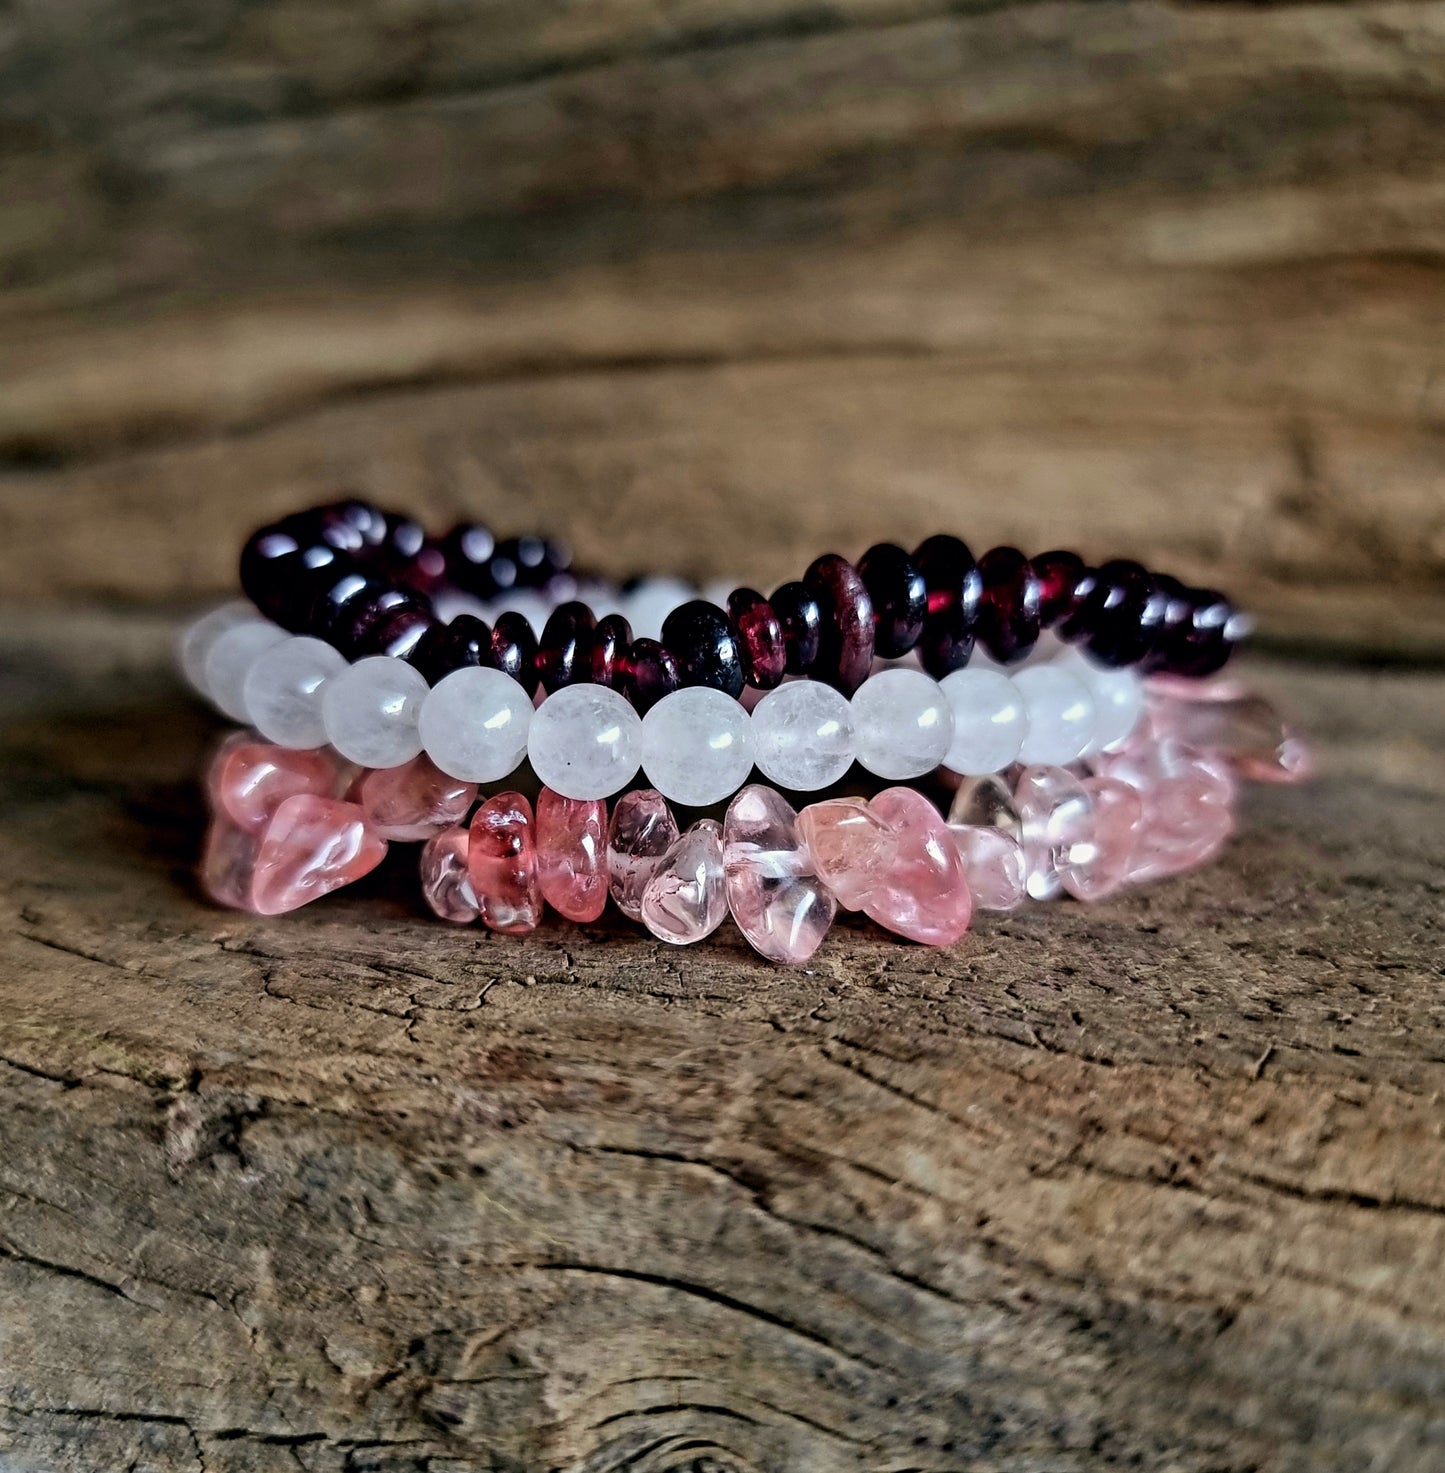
(927, 898)
(502, 863)
(993, 860)
(642, 831)
(1118, 817)
(1058, 827)
(414, 800)
(228, 862)
(686, 897)
(250, 778)
(852, 850)
(311, 847)
(572, 854)
(446, 882)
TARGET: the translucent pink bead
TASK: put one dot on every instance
(414, 800)
(572, 854)
(502, 864)
(852, 850)
(1188, 818)
(445, 880)
(249, 778)
(993, 860)
(228, 862)
(1057, 825)
(782, 909)
(641, 832)
(686, 898)
(310, 847)
(1103, 865)
(927, 897)
(1244, 728)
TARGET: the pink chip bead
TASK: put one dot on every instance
(686, 898)
(414, 800)
(1242, 727)
(572, 854)
(927, 898)
(502, 863)
(852, 850)
(446, 882)
(1058, 826)
(779, 905)
(641, 832)
(310, 847)
(250, 778)
(228, 862)
(1118, 817)
(993, 860)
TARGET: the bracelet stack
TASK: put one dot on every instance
(389, 679)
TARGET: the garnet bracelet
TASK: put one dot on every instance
(1091, 752)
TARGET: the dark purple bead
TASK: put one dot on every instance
(845, 645)
(536, 559)
(955, 590)
(650, 672)
(350, 526)
(386, 623)
(398, 632)
(470, 551)
(446, 647)
(1058, 573)
(610, 641)
(514, 649)
(1008, 612)
(705, 643)
(1121, 616)
(565, 655)
(760, 638)
(341, 599)
(409, 557)
(800, 616)
(270, 565)
(1178, 611)
(900, 598)
(1202, 643)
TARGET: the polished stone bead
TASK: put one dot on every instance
(760, 638)
(1202, 642)
(1238, 725)
(585, 741)
(781, 907)
(474, 724)
(352, 524)
(648, 601)
(686, 897)
(986, 801)
(469, 550)
(414, 800)
(697, 746)
(1100, 867)
(1009, 606)
(228, 862)
(903, 724)
(371, 709)
(310, 847)
(1059, 575)
(572, 854)
(229, 660)
(800, 617)
(989, 721)
(610, 642)
(705, 643)
(850, 848)
(398, 631)
(899, 593)
(197, 637)
(641, 832)
(650, 672)
(926, 897)
(342, 601)
(446, 884)
(514, 649)
(993, 860)
(1060, 714)
(248, 779)
(502, 864)
(1188, 799)
(282, 690)
(536, 559)
(1057, 826)
(564, 656)
(465, 641)
(1121, 616)
(845, 644)
(803, 735)
(371, 624)
(955, 589)
(1118, 696)
(271, 568)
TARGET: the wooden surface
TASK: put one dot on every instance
(712, 283)
(1154, 1184)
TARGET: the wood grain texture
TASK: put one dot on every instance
(1158, 1183)
(1161, 279)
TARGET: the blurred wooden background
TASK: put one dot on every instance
(714, 283)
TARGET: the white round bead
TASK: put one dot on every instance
(803, 735)
(585, 741)
(1118, 698)
(1060, 714)
(474, 724)
(697, 746)
(200, 634)
(370, 711)
(229, 660)
(988, 721)
(282, 690)
(903, 723)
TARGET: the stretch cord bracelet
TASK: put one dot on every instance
(1074, 776)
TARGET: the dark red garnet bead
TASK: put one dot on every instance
(384, 623)
(650, 671)
(900, 598)
(349, 526)
(514, 649)
(1121, 616)
(468, 551)
(760, 638)
(955, 590)
(800, 617)
(845, 645)
(1201, 644)
(565, 655)
(409, 557)
(1058, 573)
(1008, 611)
(340, 598)
(609, 650)
(535, 559)
(446, 647)
(705, 644)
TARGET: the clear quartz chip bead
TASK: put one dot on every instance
(993, 860)
(986, 802)
(1057, 831)
(1100, 867)
(445, 882)
(641, 832)
(686, 898)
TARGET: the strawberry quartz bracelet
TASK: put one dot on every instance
(1066, 706)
